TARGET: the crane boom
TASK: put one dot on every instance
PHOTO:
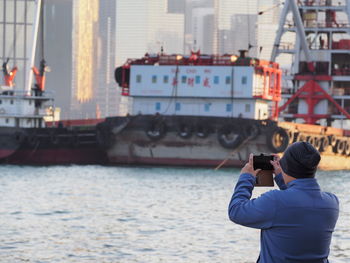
(291, 5)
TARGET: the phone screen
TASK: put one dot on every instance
(262, 162)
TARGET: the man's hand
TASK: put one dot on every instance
(276, 165)
(249, 168)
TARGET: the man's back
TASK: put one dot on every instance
(302, 228)
(297, 222)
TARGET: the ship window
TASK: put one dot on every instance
(198, 79)
(154, 79)
(11, 101)
(30, 102)
(0, 101)
(166, 79)
(138, 78)
(183, 79)
(158, 106)
(244, 80)
(7, 120)
(247, 108)
(207, 107)
(177, 106)
(228, 80)
(228, 107)
(216, 79)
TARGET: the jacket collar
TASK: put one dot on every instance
(304, 183)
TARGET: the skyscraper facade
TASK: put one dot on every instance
(16, 31)
(58, 51)
(146, 26)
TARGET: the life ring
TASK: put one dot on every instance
(251, 131)
(324, 143)
(229, 137)
(156, 130)
(291, 136)
(2, 111)
(277, 140)
(339, 146)
(202, 131)
(318, 143)
(311, 140)
(347, 148)
(184, 131)
(332, 140)
(301, 137)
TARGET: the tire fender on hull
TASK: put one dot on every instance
(156, 130)
(229, 137)
(184, 131)
(277, 140)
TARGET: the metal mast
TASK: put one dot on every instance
(32, 49)
(320, 91)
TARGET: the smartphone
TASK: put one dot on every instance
(265, 176)
(262, 162)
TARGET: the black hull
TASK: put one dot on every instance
(49, 146)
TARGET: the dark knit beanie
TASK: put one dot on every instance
(300, 160)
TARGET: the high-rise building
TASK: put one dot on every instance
(146, 26)
(240, 26)
(244, 26)
(94, 92)
(203, 29)
(58, 51)
(107, 98)
(176, 6)
(84, 58)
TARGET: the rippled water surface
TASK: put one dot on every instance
(113, 214)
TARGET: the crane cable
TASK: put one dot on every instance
(269, 9)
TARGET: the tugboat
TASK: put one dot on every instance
(213, 110)
(25, 136)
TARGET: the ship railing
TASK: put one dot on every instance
(322, 2)
(21, 94)
(340, 92)
(341, 72)
(330, 24)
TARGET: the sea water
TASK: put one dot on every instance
(135, 214)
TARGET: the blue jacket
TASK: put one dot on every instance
(296, 221)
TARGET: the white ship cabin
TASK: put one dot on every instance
(20, 109)
(225, 86)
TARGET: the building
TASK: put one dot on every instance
(58, 51)
(176, 6)
(107, 99)
(202, 29)
(146, 26)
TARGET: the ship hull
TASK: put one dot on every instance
(129, 143)
(50, 146)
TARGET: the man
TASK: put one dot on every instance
(296, 221)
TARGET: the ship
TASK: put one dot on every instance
(214, 110)
(29, 132)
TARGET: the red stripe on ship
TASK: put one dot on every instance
(58, 156)
(6, 153)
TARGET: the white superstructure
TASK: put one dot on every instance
(201, 85)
